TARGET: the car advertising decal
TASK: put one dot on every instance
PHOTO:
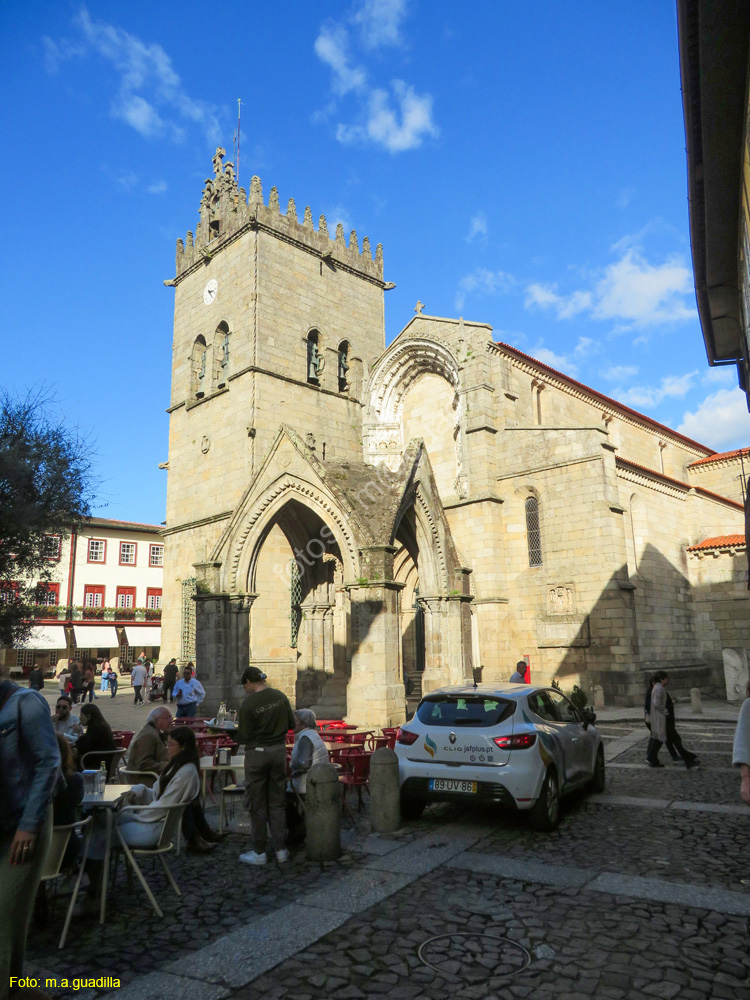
(430, 745)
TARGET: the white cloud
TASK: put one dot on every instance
(721, 421)
(649, 396)
(586, 346)
(331, 47)
(150, 96)
(558, 361)
(616, 373)
(157, 187)
(720, 375)
(379, 22)
(566, 306)
(397, 120)
(477, 227)
(127, 179)
(483, 281)
(631, 291)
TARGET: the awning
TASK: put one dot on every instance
(46, 637)
(96, 636)
(143, 635)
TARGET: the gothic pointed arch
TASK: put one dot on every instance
(326, 521)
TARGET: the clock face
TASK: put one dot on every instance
(209, 292)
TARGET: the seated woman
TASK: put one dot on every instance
(98, 737)
(65, 803)
(308, 751)
(178, 784)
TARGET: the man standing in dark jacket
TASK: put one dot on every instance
(76, 680)
(265, 719)
(170, 676)
(29, 773)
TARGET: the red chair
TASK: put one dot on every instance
(206, 745)
(373, 743)
(122, 737)
(359, 776)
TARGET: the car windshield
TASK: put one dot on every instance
(452, 710)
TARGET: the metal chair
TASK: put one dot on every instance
(232, 791)
(358, 777)
(168, 836)
(111, 758)
(60, 837)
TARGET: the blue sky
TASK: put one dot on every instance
(522, 164)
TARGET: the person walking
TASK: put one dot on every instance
(105, 675)
(89, 681)
(63, 678)
(36, 678)
(137, 679)
(675, 748)
(741, 748)
(29, 775)
(658, 719)
(113, 682)
(76, 680)
(265, 718)
(149, 668)
(170, 677)
(188, 693)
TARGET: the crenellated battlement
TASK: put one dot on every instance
(225, 209)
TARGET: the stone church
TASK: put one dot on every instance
(366, 523)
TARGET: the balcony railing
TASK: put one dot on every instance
(62, 613)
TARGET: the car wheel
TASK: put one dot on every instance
(598, 781)
(545, 813)
(411, 808)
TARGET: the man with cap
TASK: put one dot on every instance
(265, 718)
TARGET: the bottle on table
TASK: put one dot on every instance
(221, 714)
(101, 779)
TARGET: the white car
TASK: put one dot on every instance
(516, 744)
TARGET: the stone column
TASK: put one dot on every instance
(376, 695)
(447, 627)
(222, 644)
(237, 646)
(318, 637)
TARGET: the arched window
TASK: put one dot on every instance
(221, 355)
(533, 534)
(314, 358)
(198, 374)
(343, 360)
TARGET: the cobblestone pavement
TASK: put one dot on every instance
(639, 897)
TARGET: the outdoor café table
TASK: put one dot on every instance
(231, 729)
(207, 764)
(106, 802)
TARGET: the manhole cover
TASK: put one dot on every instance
(473, 957)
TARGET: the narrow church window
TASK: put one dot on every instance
(314, 359)
(200, 382)
(222, 351)
(343, 366)
(533, 533)
(295, 596)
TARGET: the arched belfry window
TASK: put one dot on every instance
(533, 533)
(343, 366)
(314, 358)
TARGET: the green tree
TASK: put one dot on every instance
(46, 486)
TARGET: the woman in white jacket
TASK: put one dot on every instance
(178, 785)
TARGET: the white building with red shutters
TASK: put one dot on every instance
(103, 599)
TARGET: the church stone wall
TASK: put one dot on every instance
(723, 476)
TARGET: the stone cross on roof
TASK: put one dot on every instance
(419, 307)
(217, 158)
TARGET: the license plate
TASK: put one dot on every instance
(451, 785)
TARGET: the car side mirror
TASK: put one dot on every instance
(589, 718)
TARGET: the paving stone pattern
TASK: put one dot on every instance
(580, 945)
(695, 847)
(675, 782)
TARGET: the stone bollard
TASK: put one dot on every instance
(598, 697)
(323, 813)
(385, 806)
(695, 701)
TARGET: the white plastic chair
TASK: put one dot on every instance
(111, 758)
(170, 828)
(147, 778)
